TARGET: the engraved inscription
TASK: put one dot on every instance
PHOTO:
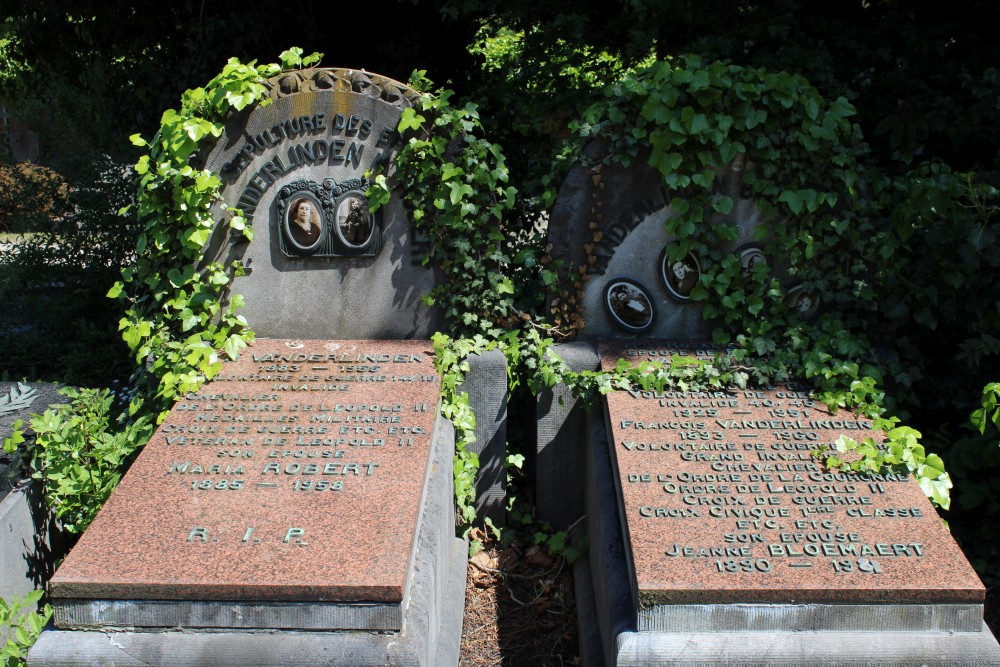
(298, 439)
(722, 488)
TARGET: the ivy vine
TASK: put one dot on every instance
(801, 162)
(175, 322)
(454, 183)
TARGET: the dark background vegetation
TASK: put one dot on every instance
(86, 75)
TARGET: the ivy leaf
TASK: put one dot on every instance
(233, 346)
(459, 190)
(812, 109)
(410, 120)
(450, 171)
(794, 201)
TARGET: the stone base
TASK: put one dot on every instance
(432, 619)
(30, 540)
(874, 648)
(562, 427)
(747, 635)
(486, 384)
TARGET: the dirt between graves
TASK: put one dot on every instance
(519, 609)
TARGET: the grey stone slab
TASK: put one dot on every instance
(562, 432)
(874, 648)
(486, 384)
(431, 620)
(590, 647)
(802, 617)
(99, 614)
(30, 537)
(30, 540)
(223, 649)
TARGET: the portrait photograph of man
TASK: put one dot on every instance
(680, 276)
(354, 221)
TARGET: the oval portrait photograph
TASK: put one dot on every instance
(681, 276)
(803, 302)
(354, 220)
(629, 305)
(304, 223)
(751, 257)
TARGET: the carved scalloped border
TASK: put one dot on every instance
(358, 82)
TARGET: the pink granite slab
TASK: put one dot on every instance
(724, 502)
(315, 455)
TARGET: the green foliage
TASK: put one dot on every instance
(451, 361)
(16, 463)
(540, 534)
(16, 437)
(900, 453)
(799, 159)
(988, 416)
(454, 182)
(535, 75)
(32, 198)
(80, 456)
(54, 282)
(21, 622)
(180, 314)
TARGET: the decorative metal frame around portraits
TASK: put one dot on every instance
(328, 197)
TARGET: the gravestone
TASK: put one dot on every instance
(299, 508)
(713, 535)
(321, 265)
(716, 537)
(731, 528)
(307, 487)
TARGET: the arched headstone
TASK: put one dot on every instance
(309, 485)
(321, 265)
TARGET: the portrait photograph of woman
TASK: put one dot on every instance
(304, 223)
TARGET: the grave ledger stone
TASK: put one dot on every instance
(306, 488)
(718, 538)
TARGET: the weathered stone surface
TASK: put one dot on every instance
(431, 629)
(322, 130)
(30, 537)
(486, 384)
(561, 425)
(725, 503)
(296, 475)
(609, 224)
